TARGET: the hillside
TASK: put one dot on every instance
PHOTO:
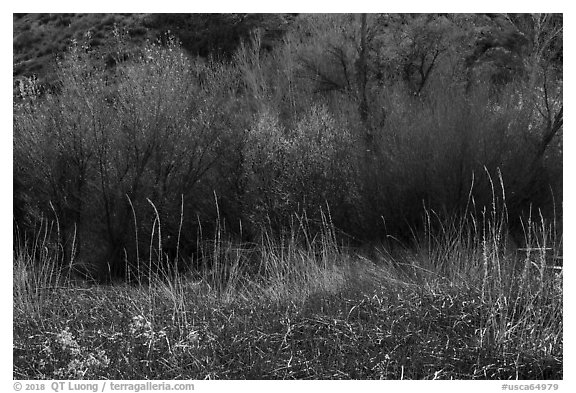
(39, 39)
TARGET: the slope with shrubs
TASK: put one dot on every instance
(319, 209)
(38, 39)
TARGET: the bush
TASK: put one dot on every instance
(305, 170)
(25, 40)
(156, 129)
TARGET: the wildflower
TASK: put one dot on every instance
(66, 339)
(140, 327)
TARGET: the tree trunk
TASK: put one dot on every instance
(363, 79)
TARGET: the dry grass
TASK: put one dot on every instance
(301, 307)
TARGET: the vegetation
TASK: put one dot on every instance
(40, 38)
(458, 307)
(364, 196)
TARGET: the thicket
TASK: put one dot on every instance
(359, 121)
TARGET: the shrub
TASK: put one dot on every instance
(24, 40)
(155, 129)
(308, 169)
(440, 149)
